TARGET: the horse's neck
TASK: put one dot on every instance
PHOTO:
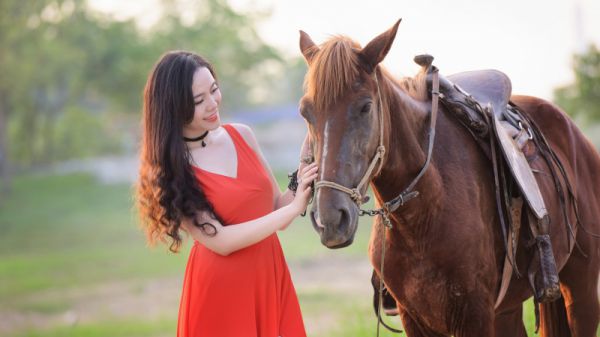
(407, 130)
(406, 149)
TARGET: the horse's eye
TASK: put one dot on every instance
(304, 112)
(366, 108)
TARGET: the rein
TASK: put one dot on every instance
(407, 194)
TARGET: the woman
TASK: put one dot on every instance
(211, 181)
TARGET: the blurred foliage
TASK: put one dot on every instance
(64, 67)
(582, 98)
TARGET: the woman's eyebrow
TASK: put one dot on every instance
(201, 94)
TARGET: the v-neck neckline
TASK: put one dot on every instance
(237, 159)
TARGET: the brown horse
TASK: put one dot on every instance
(444, 252)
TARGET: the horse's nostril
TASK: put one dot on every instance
(343, 219)
(316, 220)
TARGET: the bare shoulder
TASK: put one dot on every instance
(247, 133)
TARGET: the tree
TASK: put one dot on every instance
(64, 68)
(49, 62)
(582, 98)
(60, 62)
(14, 18)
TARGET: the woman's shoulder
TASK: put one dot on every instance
(246, 133)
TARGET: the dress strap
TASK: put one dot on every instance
(238, 138)
(245, 151)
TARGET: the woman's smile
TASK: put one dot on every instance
(213, 117)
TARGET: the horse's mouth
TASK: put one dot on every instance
(342, 245)
(326, 239)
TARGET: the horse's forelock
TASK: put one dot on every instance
(333, 71)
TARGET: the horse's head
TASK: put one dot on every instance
(342, 108)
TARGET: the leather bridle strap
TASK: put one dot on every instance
(408, 192)
(355, 193)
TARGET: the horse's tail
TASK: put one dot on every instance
(553, 319)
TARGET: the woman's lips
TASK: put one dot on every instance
(212, 117)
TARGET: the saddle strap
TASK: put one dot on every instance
(513, 240)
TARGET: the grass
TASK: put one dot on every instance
(354, 318)
(68, 231)
(112, 328)
(64, 235)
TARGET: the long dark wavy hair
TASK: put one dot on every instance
(167, 191)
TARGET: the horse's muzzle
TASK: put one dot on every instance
(336, 224)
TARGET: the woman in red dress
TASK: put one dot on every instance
(211, 181)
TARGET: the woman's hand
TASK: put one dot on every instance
(305, 178)
(306, 154)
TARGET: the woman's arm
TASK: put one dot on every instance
(280, 199)
(234, 237)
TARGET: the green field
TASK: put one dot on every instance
(73, 263)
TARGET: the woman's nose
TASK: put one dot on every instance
(212, 102)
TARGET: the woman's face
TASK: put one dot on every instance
(207, 98)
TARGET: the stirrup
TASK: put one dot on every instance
(542, 275)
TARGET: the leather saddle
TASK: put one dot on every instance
(493, 88)
(490, 86)
(481, 101)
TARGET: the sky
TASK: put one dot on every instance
(530, 40)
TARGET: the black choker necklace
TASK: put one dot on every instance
(201, 137)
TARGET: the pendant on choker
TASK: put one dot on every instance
(201, 137)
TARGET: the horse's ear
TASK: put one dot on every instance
(308, 47)
(376, 50)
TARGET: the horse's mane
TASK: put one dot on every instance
(335, 68)
(415, 87)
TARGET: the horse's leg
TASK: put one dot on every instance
(412, 328)
(579, 286)
(510, 323)
(476, 318)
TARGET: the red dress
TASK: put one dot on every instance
(248, 293)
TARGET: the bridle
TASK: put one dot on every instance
(355, 193)
(407, 194)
